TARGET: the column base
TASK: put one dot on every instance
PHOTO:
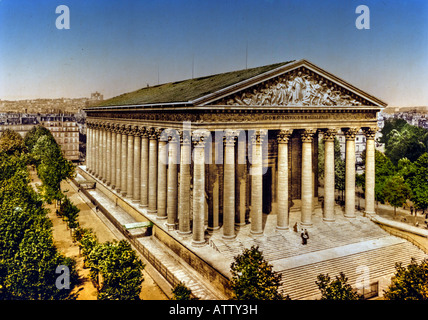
(306, 224)
(279, 228)
(184, 233)
(143, 205)
(328, 219)
(256, 234)
(228, 238)
(135, 201)
(211, 230)
(152, 211)
(350, 216)
(199, 243)
(171, 226)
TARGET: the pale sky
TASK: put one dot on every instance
(119, 46)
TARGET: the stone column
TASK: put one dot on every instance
(153, 170)
(229, 185)
(88, 147)
(172, 197)
(370, 171)
(144, 168)
(130, 163)
(282, 194)
(124, 161)
(162, 175)
(137, 166)
(256, 171)
(350, 134)
(184, 191)
(118, 158)
(113, 155)
(198, 190)
(98, 151)
(241, 180)
(329, 136)
(104, 153)
(108, 153)
(307, 193)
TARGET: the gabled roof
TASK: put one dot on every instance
(187, 90)
(205, 90)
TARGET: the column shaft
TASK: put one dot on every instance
(130, 166)
(104, 154)
(307, 193)
(118, 159)
(370, 171)
(282, 195)
(256, 185)
(184, 191)
(144, 169)
(172, 198)
(108, 155)
(113, 156)
(137, 167)
(329, 137)
(198, 191)
(153, 170)
(229, 186)
(124, 163)
(350, 172)
(162, 178)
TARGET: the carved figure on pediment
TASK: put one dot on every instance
(266, 95)
(298, 85)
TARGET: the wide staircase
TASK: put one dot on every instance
(350, 246)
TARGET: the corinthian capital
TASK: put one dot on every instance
(370, 132)
(308, 135)
(350, 133)
(284, 135)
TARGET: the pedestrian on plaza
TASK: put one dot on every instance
(305, 237)
(296, 227)
(411, 210)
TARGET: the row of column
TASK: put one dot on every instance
(154, 167)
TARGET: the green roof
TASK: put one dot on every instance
(187, 90)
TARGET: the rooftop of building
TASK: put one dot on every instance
(187, 90)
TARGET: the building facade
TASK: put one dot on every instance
(218, 152)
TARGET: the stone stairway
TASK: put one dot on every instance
(299, 282)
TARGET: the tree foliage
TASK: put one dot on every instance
(396, 192)
(253, 277)
(181, 292)
(402, 139)
(409, 283)
(116, 263)
(28, 257)
(12, 143)
(338, 289)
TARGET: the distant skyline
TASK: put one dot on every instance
(115, 47)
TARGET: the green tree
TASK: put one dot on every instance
(253, 277)
(404, 140)
(409, 283)
(396, 192)
(337, 289)
(121, 271)
(181, 292)
(417, 178)
(12, 143)
(384, 169)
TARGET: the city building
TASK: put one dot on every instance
(64, 129)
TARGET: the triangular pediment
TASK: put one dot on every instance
(297, 84)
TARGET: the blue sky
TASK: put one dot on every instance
(117, 46)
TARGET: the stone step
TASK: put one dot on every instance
(299, 282)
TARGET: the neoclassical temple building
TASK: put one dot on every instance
(222, 150)
(227, 161)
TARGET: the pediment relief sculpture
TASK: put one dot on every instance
(297, 88)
